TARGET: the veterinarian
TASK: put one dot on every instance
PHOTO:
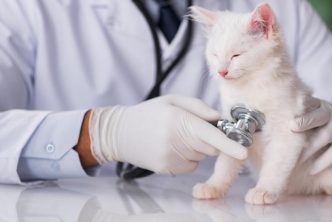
(61, 60)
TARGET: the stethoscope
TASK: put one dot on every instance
(128, 171)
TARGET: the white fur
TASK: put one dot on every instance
(263, 78)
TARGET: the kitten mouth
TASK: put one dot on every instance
(227, 77)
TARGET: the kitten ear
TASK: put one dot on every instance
(204, 16)
(262, 20)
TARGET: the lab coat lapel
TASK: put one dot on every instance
(117, 15)
(171, 50)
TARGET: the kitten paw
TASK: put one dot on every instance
(207, 191)
(260, 196)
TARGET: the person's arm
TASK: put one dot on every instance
(48, 153)
(16, 75)
(167, 135)
(32, 143)
(83, 146)
(320, 119)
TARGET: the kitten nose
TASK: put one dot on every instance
(223, 72)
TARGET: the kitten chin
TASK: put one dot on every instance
(249, 50)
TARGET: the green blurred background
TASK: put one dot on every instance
(324, 8)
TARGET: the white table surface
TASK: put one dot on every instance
(156, 198)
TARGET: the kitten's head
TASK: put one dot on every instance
(238, 44)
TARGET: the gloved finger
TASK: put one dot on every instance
(194, 106)
(310, 120)
(311, 103)
(195, 144)
(316, 142)
(323, 162)
(188, 154)
(215, 138)
(206, 148)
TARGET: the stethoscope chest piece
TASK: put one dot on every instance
(247, 122)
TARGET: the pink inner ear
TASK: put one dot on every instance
(262, 20)
(266, 14)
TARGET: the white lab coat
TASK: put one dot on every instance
(62, 57)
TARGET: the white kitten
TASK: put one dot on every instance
(247, 54)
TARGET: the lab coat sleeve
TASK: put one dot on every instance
(49, 153)
(314, 56)
(16, 83)
(29, 131)
(16, 128)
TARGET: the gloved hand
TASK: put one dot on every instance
(167, 135)
(319, 115)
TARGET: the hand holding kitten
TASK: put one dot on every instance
(319, 116)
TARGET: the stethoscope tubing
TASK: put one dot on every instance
(130, 172)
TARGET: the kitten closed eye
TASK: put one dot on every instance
(234, 56)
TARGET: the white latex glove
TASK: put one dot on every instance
(167, 135)
(319, 117)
